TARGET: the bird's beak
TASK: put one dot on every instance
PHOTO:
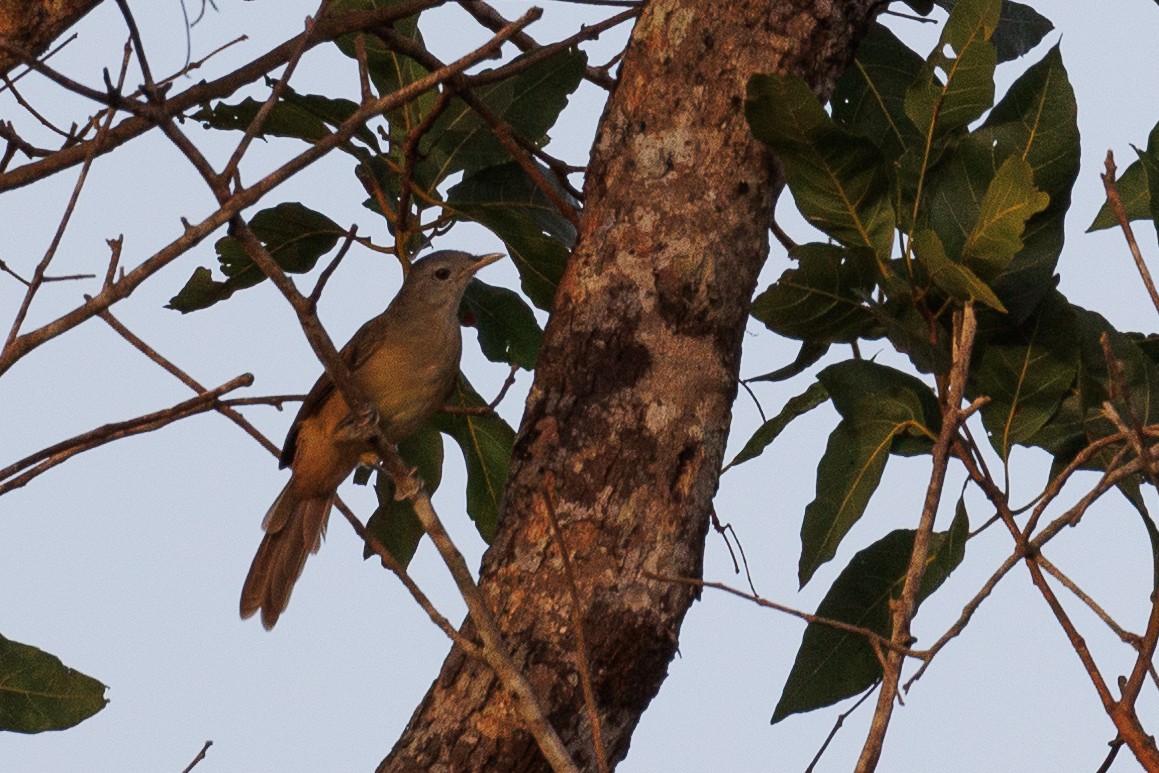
(488, 259)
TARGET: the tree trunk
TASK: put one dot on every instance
(625, 428)
(31, 25)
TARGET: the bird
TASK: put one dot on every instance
(406, 362)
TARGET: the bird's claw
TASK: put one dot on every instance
(412, 484)
(360, 423)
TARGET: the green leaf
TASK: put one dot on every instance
(538, 238)
(869, 98)
(832, 664)
(486, 442)
(808, 354)
(530, 103)
(1020, 28)
(299, 116)
(959, 282)
(1026, 372)
(838, 179)
(38, 692)
(879, 407)
(1037, 120)
(1009, 202)
(1140, 373)
(295, 237)
(966, 60)
(508, 331)
(1135, 194)
(394, 522)
(925, 342)
(822, 299)
(767, 432)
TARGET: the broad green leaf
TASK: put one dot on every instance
(538, 238)
(822, 300)
(807, 355)
(1020, 28)
(306, 117)
(869, 98)
(958, 281)
(923, 340)
(394, 522)
(832, 664)
(767, 432)
(1079, 419)
(839, 180)
(38, 692)
(1009, 202)
(529, 102)
(1026, 372)
(295, 236)
(508, 331)
(1036, 120)
(1136, 196)
(956, 85)
(486, 442)
(1140, 373)
(879, 406)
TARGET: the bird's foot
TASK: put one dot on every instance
(360, 424)
(409, 486)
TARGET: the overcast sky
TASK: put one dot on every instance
(127, 562)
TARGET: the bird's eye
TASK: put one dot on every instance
(442, 273)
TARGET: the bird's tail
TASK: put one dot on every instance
(294, 528)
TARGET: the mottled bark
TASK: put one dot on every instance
(626, 424)
(31, 25)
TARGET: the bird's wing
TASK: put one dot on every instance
(355, 353)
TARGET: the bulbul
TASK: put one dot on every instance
(405, 361)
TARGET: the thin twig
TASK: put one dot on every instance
(904, 607)
(200, 756)
(240, 200)
(874, 637)
(489, 408)
(1134, 639)
(324, 277)
(389, 562)
(38, 274)
(47, 458)
(837, 726)
(1111, 754)
(1116, 203)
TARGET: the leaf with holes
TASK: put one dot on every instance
(295, 236)
(822, 299)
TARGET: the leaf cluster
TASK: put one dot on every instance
(932, 196)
